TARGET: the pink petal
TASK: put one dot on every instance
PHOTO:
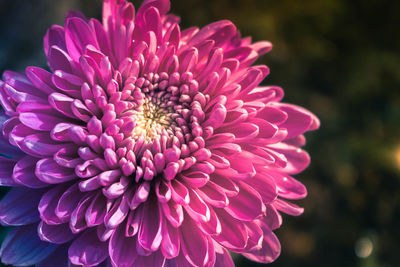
(156, 259)
(247, 205)
(173, 212)
(299, 120)
(170, 243)
(197, 208)
(194, 245)
(269, 251)
(297, 159)
(78, 34)
(213, 195)
(287, 207)
(233, 232)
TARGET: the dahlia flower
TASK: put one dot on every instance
(147, 145)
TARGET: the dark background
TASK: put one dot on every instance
(338, 58)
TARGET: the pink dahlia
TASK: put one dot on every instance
(145, 145)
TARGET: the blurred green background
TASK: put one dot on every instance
(338, 58)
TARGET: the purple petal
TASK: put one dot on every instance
(122, 249)
(68, 202)
(48, 204)
(57, 234)
(57, 258)
(19, 206)
(40, 145)
(87, 249)
(41, 79)
(272, 218)
(48, 171)
(78, 222)
(117, 213)
(54, 36)
(173, 212)
(37, 116)
(6, 171)
(22, 247)
(96, 211)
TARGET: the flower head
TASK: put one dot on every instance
(147, 145)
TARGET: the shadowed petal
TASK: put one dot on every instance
(19, 206)
(22, 247)
(87, 249)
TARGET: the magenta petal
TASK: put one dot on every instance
(170, 243)
(299, 120)
(224, 259)
(272, 219)
(19, 206)
(288, 187)
(156, 259)
(180, 193)
(233, 232)
(194, 245)
(287, 207)
(265, 186)
(57, 234)
(149, 236)
(59, 60)
(213, 195)
(247, 205)
(62, 104)
(197, 208)
(87, 249)
(78, 34)
(213, 226)
(270, 250)
(173, 212)
(41, 79)
(54, 36)
(297, 159)
(122, 249)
